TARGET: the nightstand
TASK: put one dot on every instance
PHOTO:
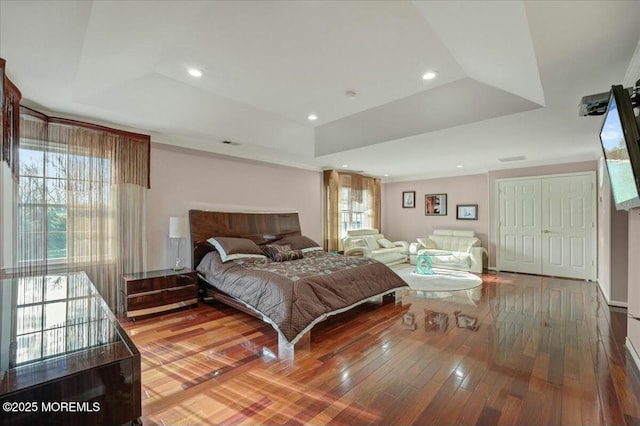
(151, 292)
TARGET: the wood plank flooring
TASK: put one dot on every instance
(543, 351)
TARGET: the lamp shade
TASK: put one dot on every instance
(177, 227)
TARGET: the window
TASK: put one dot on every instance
(77, 202)
(49, 196)
(355, 212)
(352, 202)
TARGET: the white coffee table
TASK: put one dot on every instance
(442, 280)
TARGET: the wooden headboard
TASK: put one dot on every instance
(259, 227)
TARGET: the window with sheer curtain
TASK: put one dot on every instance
(353, 202)
(79, 201)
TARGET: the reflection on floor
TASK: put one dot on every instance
(466, 321)
(539, 351)
(435, 321)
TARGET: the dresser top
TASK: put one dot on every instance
(157, 274)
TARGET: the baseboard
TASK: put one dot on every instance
(492, 268)
(615, 303)
(618, 304)
(633, 352)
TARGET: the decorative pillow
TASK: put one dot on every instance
(385, 243)
(427, 242)
(282, 253)
(358, 242)
(285, 256)
(299, 242)
(271, 250)
(235, 248)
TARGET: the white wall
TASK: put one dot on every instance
(408, 224)
(184, 179)
(605, 208)
(633, 326)
(612, 243)
(619, 261)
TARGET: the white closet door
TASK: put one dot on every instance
(547, 226)
(520, 226)
(568, 226)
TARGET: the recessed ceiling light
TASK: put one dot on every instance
(312, 117)
(386, 174)
(344, 166)
(194, 72)
(429, 75)
(460, 166)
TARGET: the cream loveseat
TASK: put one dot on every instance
(370, 243)
(450, 249)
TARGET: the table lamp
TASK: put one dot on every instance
(178, 230)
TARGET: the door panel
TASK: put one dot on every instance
(577, 249)
(520, 226)
(555, 251)
(568, 226)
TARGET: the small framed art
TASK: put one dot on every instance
(435, 205)
(467, 212)
(408, 199)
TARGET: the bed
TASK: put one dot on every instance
(292, 295)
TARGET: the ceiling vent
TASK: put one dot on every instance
(509, 159)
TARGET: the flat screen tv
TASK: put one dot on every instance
(620, 139)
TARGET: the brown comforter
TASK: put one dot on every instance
(295, 295)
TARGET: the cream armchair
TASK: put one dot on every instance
(370, 243)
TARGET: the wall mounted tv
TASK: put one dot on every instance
(620, 139)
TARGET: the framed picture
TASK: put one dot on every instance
(467, 212)
(435, 205)
(408, 199)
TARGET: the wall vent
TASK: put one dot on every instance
(509, 159)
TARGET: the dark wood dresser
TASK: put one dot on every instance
(64, 359)
(158, 291)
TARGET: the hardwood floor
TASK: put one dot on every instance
(542, 351)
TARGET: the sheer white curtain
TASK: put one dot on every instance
(80, 201)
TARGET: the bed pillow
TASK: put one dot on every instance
(271, 250)
(282, 253)
(235, 248)
(385, 243)
(285, 256)
(300, 242)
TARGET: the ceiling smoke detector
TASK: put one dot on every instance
(350, 94)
